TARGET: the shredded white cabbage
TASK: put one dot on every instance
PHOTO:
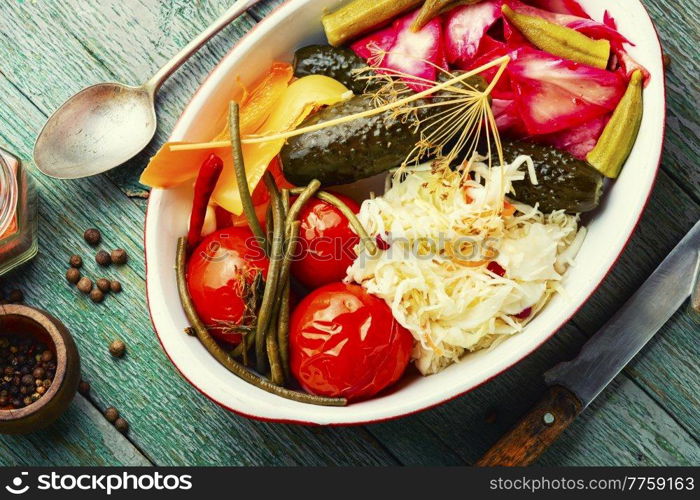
(443, 228)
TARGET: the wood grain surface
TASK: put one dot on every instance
(535, 432)
(647, 417)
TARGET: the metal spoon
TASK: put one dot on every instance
(105, 125)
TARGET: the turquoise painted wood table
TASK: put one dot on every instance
(50, 49)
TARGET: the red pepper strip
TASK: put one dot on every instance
(525, 313)
(207, 178)
(223, 218)
(495, 268)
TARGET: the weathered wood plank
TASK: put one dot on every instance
(112, 44)
(629, 429)
(169, 420)
(415, 443)
(65, 46)
(679, 31)
(669, 369)
(263, 8)
(406, 439)
(623, 427)
(81, 436)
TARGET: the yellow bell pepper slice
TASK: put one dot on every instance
(167, 168)
(297, 102)
(257, 105)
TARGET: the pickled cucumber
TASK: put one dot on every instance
(346, 153)
(362, 147)
(564, 182)
(335, 62)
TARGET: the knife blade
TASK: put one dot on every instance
(624, 335)
(573, 385)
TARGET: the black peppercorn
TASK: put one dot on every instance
(46, 356)
(115, 286)
(25, 377)
(92, 236)
(73, 275)
(119, 256)
(75, 261)
(121, 425)
(111, 414)
(16, 296)
(97, 296)
(85, 285)
(103, 258)
(117, 348)
(103, 285)
(83, 387)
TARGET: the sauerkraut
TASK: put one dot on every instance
(441, 231)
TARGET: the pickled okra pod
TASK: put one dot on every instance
(617, 140)
(361, 16)
(560, 40)
(433, 8)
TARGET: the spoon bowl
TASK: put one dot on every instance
(97, 129)
(103, 126)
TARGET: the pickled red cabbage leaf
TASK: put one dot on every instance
(466, 26)
(577, 141)
(400, 49)
(554, 94)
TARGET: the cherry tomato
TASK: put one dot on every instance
(345, 342)
(219, 274)
(326, 243)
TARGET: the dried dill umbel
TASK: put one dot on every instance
(459, 117)
(454, 121)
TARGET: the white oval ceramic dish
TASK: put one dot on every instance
(294, 24)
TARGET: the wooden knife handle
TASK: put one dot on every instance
(535, 432)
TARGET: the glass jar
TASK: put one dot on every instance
(18, 214)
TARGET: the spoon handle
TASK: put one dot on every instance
(169, 68)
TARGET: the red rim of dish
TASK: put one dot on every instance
(451, 398)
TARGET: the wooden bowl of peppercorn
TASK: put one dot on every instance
(39, 369)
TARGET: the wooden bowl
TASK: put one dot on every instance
(24, 320)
